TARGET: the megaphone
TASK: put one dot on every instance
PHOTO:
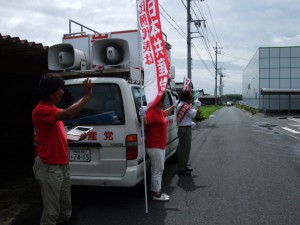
(66, 57)
(111, 52)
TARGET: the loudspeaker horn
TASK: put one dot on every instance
(111, 52)
(66, 57)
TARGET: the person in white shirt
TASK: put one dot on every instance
(185, 115)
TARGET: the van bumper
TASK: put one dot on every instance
(132, 177)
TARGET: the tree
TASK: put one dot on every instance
(234, 97)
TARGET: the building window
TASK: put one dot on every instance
(274, 62)
(264, 73)
(285, 83)
(285, 62)
(264, 53)
(295, 52)
(264, 83)
(264, 63)
(285, 72)
(295, 62)
(274, 83)
(274, 73)
(295, 72)
(285, 52)
(274, 52)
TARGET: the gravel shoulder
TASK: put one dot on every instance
(16, 197)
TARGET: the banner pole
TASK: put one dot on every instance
(142, 118)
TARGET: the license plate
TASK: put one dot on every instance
(80, 155)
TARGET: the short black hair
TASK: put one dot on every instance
(185, 95)
(48, 84)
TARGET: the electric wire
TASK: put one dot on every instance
(165, 11)
(203, 39)
(201, 31)
(213, 24)
(173, 26)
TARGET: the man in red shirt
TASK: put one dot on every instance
(156, 137)
(51, 167)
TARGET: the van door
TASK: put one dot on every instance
(172, 131)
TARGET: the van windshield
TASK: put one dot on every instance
(104, 108)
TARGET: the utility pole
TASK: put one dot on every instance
(189, 37)
(221, 81)
(216, 76)
(189, 55)
(221, 84)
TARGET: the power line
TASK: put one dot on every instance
(205, 43)
(172, 19)
(197, 52)
(213, 24)
(200, 30)
(182, 35)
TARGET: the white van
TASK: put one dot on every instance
(112, 154)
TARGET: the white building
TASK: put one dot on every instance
(271, 80)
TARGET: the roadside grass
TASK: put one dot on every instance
(206, 111)
(249, 109)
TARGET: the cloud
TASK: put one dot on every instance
(239, 27)
(283, 40)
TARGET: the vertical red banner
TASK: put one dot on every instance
(155, 59)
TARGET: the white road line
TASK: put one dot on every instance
(294, 119)
(295, 125)
(291, 130)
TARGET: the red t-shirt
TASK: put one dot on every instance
(51, 140)
(156, 129)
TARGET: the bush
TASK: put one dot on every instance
(248, 108)
(206, 111)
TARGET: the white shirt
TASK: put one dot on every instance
(188, 118)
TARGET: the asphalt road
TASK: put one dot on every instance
(246, 171)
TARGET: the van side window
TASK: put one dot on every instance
(168, 101)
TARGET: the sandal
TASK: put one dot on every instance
(162, 197)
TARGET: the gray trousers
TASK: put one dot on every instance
(185, 140)
(157, 158)
(55, 186)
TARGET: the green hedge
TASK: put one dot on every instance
(206, 111)
(247, 108)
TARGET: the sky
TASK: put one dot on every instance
(236, 28)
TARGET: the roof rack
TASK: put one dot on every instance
(81, 29)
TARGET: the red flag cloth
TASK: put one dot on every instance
(155, 59)
(186, 83)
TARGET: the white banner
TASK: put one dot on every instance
(155, 59)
